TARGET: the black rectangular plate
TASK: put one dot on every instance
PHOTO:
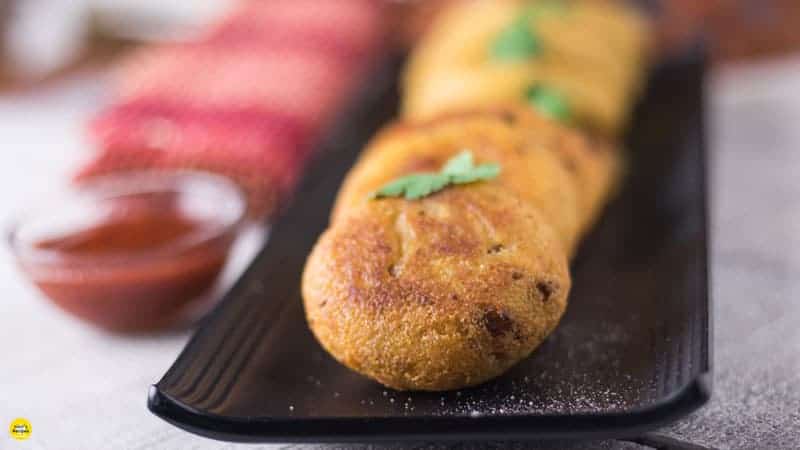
(632, 352)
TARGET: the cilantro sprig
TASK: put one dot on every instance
(520, 40)
(549, 102)
(516, 42)
(460, 169)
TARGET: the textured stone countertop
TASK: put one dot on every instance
(755, 261)
(86, 380)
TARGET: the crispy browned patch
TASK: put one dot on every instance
(497, 323)
(546, 289)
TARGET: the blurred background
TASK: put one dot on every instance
(46, 39)
(63, 63)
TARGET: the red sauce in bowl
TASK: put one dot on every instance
(140, 252)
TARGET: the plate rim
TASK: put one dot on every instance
(630, 423)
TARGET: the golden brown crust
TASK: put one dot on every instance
(547, 164)
(595, 165)
(440, 293)
(531, 170)
(452, 68)
(453, 289)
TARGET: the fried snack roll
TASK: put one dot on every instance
(551, 167)
(596, 165)
(439, 293)
(590, 54)
(452, 289)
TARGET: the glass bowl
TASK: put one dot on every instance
(130, 252)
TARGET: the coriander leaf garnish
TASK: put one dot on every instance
(425, 184)
(397, 187)
(413, 186)
(482, 172)
(459, 169)
(519, 40)
(516, 42)
(458, 164)
(549, 102)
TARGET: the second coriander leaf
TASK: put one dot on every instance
(516, 42)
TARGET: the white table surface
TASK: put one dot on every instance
(84, 389)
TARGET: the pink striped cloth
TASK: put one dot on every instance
(248, 100)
